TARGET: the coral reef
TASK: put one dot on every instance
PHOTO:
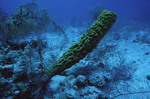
(16, 70)
(78, 86)
(28, 18)
(20, 80)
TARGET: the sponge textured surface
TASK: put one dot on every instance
(87, 43)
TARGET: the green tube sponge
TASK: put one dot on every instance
(87, 43)
(76, 52)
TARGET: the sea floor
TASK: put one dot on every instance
(118, 68)
(135, 53)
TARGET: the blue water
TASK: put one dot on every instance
(122, 58)
(64, 10)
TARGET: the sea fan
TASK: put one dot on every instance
(26, 19)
